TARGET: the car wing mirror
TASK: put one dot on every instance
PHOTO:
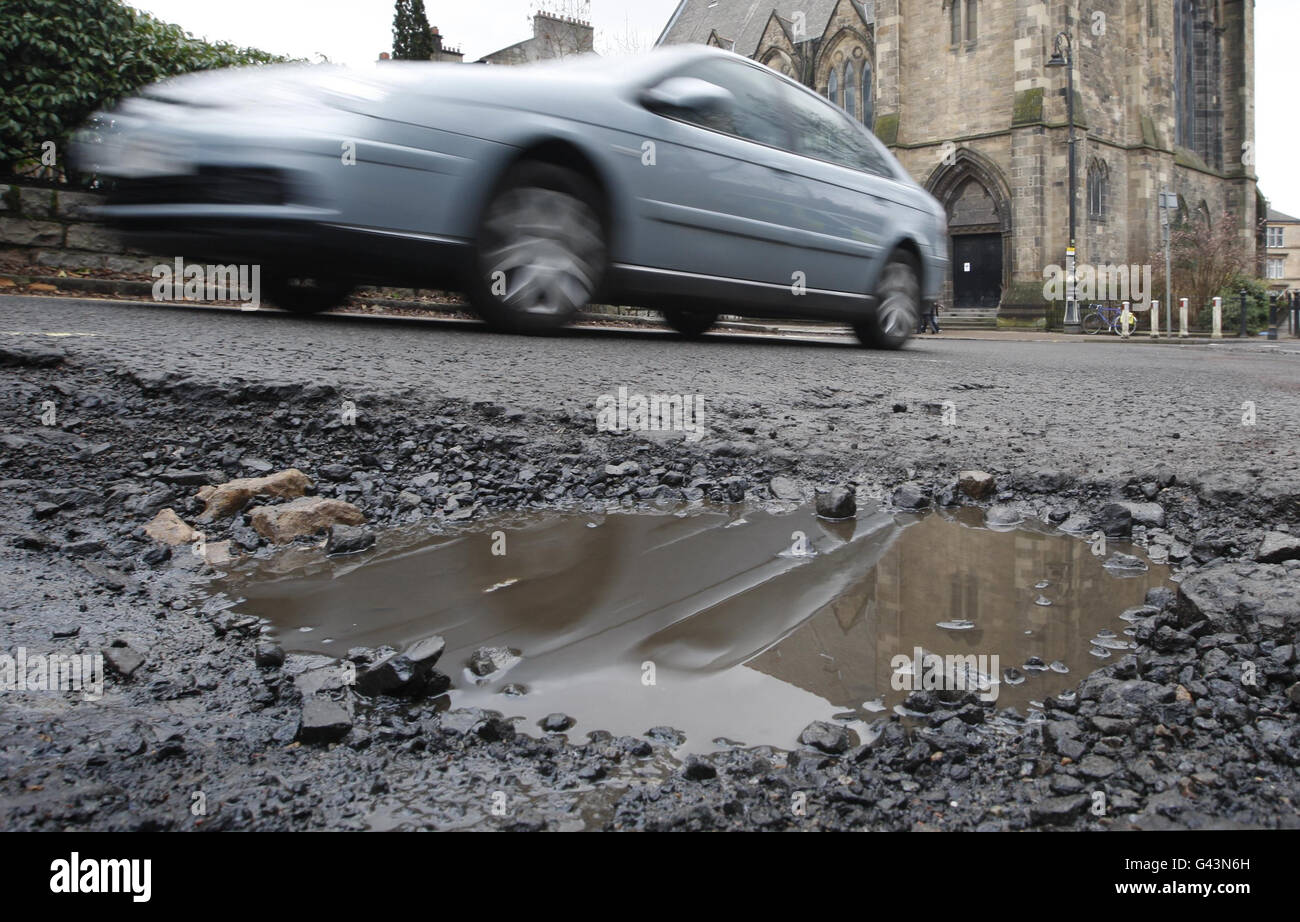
(687, 94)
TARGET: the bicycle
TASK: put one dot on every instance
(1109, 318)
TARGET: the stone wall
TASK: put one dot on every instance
(553, 37)
(996, 99)
(56, 229)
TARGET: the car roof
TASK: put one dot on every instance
(626, 68)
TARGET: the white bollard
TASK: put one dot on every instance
(1155, 319)
(1217, 331)
(1126, 321)
(1182, 318)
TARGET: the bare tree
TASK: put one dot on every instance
(1206, 255)
(623, 43)
(567, 9)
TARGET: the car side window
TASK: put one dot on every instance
(823, 132)
(757, 114)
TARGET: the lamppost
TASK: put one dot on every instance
(1063, 56)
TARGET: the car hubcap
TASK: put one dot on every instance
(543, 251)
(897, 311)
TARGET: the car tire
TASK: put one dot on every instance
(306, 294)
(540, 254)
(691, 324)
(898, 309)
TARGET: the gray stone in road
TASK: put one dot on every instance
(123, 660)
(1055, 811)
(977, 484)
(911, 496)
(1150, 514)
(1115, 520)
(1004, 515)
(349, 539)
(837, 503)
(784, 488)
(1277, 547)
(323, 721)
(30, 355)
(426, 652)
(1095, 766)
(625, 469)
(829, 738)
(557, 722)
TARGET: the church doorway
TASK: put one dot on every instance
(976, 269)
(978, 203)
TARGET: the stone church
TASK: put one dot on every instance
(962, 92)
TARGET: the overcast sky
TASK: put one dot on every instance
(355, 31)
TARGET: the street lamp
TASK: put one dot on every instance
(1063, 56)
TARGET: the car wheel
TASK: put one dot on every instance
(691, 324)
(898, 312)
(306, 294)
(540, 255)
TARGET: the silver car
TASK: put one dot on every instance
(688, 180)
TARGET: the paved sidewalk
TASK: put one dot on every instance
(1007, 336)
(1057, 337)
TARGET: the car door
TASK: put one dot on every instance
(850, 192)
(716, 197)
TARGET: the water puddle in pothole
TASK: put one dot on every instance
(735, 629)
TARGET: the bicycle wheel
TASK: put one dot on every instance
(1094, 324)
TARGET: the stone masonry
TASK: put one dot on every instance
(986, 109)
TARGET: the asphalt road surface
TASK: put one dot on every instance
(1096, 407)
(456, 423)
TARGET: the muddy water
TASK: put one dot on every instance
(733, 629)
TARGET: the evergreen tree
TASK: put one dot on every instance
(412, 37)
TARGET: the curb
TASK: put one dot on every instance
(128, 287)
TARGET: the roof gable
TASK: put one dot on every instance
(747, 20)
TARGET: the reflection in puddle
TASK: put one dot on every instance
(723, 627)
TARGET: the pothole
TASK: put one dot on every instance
(734, 629)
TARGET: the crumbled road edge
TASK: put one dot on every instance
(197, 711)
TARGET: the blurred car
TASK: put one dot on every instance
(689, 180)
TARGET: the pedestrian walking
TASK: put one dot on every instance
(930, 317)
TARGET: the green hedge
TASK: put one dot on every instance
(61, 60)
(1257, 306)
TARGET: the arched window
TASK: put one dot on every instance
(1098, 190)
(1198, 66)
(1185, 72)
(850, 90)
(968, 29)
(833, 87)
(868, 100)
